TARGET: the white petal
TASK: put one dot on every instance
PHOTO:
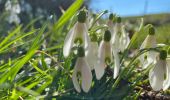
(152, 41)
(100, 66)
(108, 50)
(92, 54)
(149, 42)
(111, 27)
(115, 40)
(86, 76)
(117, 64)
(74, 77)
(86, 39)
(156, 75)
(152, 56)
(166, 83)
(68, 42)
(143, 45)
(99, 69)
(82, 32)
(151, 59)
(141, 58)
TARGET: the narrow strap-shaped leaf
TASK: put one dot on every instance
(68, 14)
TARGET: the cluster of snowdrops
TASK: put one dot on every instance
(95, 54)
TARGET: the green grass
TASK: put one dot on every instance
(24, 73)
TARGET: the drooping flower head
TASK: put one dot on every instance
(104, 55)
(150, 42)
(110, 23)
(78, 34)
(92, 52)
(124, 39)
(116, 46)
(82, 73)
(159, 75)
(116, 35)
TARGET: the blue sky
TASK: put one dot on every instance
(131, 7)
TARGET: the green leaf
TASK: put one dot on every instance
(15, 40)
(139, 36)
(68, 14)
(10, 75)
(10, 35)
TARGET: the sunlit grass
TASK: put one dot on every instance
(25, 73)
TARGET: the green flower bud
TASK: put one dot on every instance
(118, 19)
(111, 16)
(81, 52)
(151, 30)
(107, 36)
(163, 54)
(82, 16)
(94, 37)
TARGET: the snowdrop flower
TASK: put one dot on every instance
(92, 52)
(124, 39)
(14, 9)
(79, 32)
(159, 75)
(115, 47)
(82, 73)
(90, 19)
(115, 35)
(150, 42)
(116, 62)
(110, 24)
(104, 55)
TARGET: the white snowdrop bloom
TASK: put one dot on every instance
(116, 35)
(92, 54)
(115, 50)
(124, 39)
(159, 75)
(78, 32)
(110, 24)
(116, 62)
(150, 42)
(14, 9)
(116, 47)
(104, 55)
(14, 18)
(8, 5)
(90, 19)
(82, 73)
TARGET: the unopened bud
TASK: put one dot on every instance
(107, 36)
(82, 16)
(163, 54)
(151, 30)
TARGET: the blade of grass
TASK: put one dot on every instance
(10, 35)
(68, 14)
(15, 40)
(18, 65)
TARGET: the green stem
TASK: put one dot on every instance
(97, 18)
